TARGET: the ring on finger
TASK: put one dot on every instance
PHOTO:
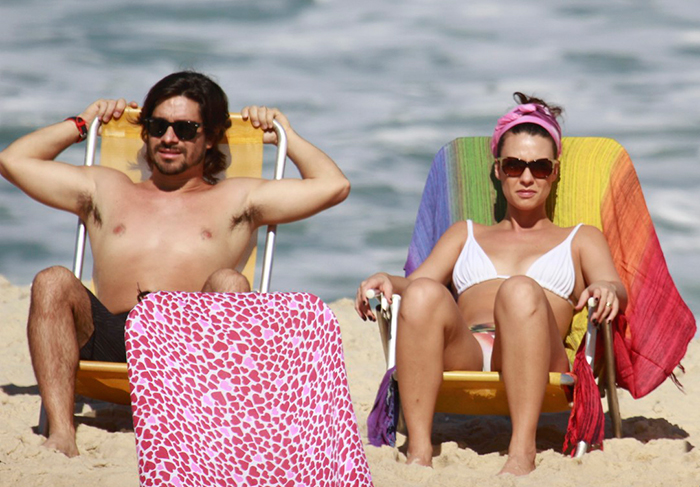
(608, 305)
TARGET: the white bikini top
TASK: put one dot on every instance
(553, 270)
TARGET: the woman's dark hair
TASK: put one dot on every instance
(532, 128)
(213, 108)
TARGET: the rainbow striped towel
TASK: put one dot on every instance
(598, 186)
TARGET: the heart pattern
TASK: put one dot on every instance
(241, 389)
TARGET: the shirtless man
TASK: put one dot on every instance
(175, 231)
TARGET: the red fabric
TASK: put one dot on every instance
(586, 421)
(653, 338)
(650, 341)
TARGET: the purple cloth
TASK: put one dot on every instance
(434, 214)
(382, 420)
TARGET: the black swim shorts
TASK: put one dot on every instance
(107, 341)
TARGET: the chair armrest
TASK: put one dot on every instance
(387, 320)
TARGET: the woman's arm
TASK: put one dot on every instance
(437, 266)
(603, 281)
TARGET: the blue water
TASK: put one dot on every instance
(380, 86)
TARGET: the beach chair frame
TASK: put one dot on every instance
(108, 381)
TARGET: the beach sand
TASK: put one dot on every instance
(659, 448)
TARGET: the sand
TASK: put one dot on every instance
(658, 448)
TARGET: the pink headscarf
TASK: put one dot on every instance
(527, 113)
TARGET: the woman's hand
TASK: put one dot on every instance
(608, 301)
(379, 283)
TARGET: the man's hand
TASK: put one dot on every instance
(106, 110)
(262, 117)
(29, 162)
(322, 183)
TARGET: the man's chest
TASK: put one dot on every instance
(191, 223)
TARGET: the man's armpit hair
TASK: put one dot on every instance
(249, 216)
(87, 209)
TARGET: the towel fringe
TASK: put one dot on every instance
(677, 382)
(586, 421)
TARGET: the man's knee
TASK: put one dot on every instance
(54, 283)
(59, 301)
(226, 281)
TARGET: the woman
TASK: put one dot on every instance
(518, 284)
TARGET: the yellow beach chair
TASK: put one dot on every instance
(123, 149)
(461, 185)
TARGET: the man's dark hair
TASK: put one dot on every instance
(213, 108)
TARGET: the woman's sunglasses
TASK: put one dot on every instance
(184, 129)
(514, 167)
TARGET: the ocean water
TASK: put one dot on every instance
(378, 85)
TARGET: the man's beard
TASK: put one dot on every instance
(170, 168)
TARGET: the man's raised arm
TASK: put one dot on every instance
(29, 164)
(322, 185)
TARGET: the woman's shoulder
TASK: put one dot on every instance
(588, 234)
(589, 230)
(457, 230)
(462, 228)
(455, 235)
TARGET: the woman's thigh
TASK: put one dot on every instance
(429, 308)
(537, 314)
(463, 351)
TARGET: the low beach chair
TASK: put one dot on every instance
(122, 148)
(598, 186)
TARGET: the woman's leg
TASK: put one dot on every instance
(431, 337)
(528, 346)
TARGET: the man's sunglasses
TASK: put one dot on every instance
(184, 129)
(514, 167)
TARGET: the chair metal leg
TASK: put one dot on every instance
(611, 390)
(581, 449)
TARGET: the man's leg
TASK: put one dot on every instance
(226, 281)
(60, 322)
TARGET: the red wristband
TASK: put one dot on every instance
(82, 127)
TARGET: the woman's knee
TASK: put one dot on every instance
(423, 295)
(226, 281)
(521, 294)
(423, 303)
